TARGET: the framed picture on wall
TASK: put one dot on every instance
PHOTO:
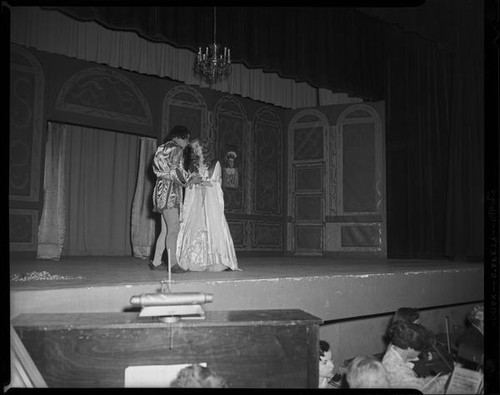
(230, 169)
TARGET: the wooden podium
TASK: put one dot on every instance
(248, 348)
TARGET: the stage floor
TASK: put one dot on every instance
(348, 289)
(85, 271)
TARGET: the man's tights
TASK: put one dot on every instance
(168, 236)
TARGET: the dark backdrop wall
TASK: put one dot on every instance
(434, 96)
(83, 93)
(433, 90)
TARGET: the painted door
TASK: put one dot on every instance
(306, 186)
(336, 180)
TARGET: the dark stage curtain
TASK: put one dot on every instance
(434, 120)
(465, 200)
(326, 46)
(417, 136)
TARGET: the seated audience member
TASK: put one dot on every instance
(326, 365)
(327, 376)
(366, 372)
(197, 376)
(471, 342)
(407, 342)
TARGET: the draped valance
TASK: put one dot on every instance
(340, 49)
(55, 32)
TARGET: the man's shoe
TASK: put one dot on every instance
(177, 269)
(159, 267)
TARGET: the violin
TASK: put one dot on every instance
(433, 360)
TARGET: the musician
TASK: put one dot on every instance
(408, 340)
(471, 342)
(434, 357)
(406, 314)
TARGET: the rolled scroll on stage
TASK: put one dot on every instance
(171, 306)
(171, 299)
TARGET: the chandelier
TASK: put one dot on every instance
(215, 62)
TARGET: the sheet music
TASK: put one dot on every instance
(464, 381)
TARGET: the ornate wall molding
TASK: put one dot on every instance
(184, 105)
(356, 113)
(250, 169)
(102, 92)
(308, 134)
(252, 235)
(332, 171)
(27, 84)
(267, 162)
(306, 118)
(238, 233)
(358, 220)
(230, 105)
(23, 229)
(267, 235)
(231, 134)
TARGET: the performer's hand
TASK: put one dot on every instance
(206, 183)
(195, 179)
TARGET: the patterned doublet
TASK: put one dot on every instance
(170, 176)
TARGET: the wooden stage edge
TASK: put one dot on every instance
(332, 288)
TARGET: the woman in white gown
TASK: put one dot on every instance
(204, 242)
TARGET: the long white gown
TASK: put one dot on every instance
(204, 242)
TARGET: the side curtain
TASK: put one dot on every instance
(143, 228)
(101, 173)
(465, 185)
(52, 227)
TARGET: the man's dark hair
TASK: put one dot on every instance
(178, 131)
(407, 335)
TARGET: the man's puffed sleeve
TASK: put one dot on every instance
(177, 172)
(160, 163)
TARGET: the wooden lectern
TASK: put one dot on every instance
(248, 348)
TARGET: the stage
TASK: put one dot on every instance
(439, 282)
(353, 295)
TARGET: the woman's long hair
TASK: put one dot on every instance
(207, 148)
